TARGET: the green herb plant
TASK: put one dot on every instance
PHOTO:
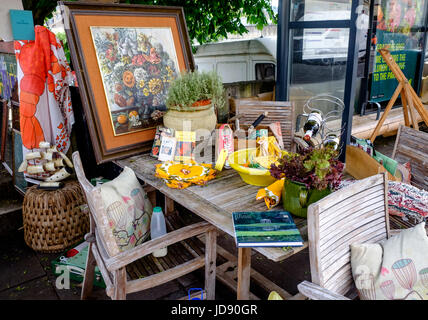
(191, 87)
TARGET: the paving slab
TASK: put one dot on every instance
(37, 289)
(159, 292)
(18, 262)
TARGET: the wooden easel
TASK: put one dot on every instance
(409, 98)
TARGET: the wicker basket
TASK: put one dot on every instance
(54, 220)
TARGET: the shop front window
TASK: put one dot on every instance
(318, 63)
(399, 28)
(320, 10)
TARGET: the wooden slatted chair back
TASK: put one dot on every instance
(99, 223)
(282, 111)
(355, 214)
(412, 145)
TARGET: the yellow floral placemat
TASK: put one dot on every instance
(182, 175)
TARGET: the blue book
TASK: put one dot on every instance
(266, 229)
(22, 24)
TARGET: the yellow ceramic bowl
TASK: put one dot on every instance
(256, 177)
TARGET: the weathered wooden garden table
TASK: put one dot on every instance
(215, 203)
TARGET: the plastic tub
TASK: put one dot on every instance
(256, 177)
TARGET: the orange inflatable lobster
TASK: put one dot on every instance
(38, 64)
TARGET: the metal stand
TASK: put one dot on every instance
(335, 106)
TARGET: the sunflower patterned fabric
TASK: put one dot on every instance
(396, 269)
(182, 175)
(271, 194)
(128, 209)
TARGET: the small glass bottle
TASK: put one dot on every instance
(158, 229)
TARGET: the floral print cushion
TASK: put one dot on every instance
(396, 269)
(128, 209)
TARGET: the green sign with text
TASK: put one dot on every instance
(398, 22)
(383, 80)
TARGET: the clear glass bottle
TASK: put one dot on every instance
(332, 141)
(158, 229)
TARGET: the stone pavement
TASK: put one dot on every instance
(27, 275)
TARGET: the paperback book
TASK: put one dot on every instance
(161, 132)
(266, 229)
(186, 143)
(167, 149)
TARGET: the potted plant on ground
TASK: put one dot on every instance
(193, 97)
(309, 176)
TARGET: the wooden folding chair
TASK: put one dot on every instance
(136, 269)
(355, 214)
(412, 145)
(282, 111)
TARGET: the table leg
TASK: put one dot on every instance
(169, 206)
(244, 273)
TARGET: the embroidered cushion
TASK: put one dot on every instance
(395, 269)
(128, 209)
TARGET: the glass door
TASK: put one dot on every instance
(318, 54)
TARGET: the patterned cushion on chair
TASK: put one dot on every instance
(396, 269)
(407, 201)
(128, 209)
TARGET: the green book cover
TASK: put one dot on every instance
(266, 229)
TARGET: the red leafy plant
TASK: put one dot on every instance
(316, 168)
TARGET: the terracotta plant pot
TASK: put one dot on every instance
(296, 197)
(200, 103)
(198, 119)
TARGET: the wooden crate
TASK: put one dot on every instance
(361, 165)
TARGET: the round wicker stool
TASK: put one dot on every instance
(54, 220)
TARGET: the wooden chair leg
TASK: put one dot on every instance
(88, 280)
(210, 264)
(119, 284)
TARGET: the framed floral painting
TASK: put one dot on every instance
(125, 57)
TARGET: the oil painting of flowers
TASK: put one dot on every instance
(137, 66)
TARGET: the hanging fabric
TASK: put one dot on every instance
(44, 76)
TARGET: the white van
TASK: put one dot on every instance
(240, 60)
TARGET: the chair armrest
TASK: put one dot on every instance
(315, 292)
(126, 257)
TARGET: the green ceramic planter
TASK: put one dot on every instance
(296, 197)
